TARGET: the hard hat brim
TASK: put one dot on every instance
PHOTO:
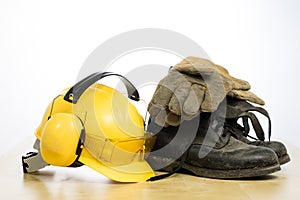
(134, 172)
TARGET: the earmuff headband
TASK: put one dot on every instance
(76, 91)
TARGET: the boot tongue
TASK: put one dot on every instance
(235, 107)
(211, 132)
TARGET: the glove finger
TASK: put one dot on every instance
(179, 97)
(166, 88)
(235, 82)
(154, 109)
(206, 103)
(192, 104)
(194, 79)
(160, 118)
(246, 95)
(240, 84)
(212, 100)
(161, 96)
(214, 94)
(173, 119)
(157, 114)
(195, 66)
(189, 117)
(219, 82)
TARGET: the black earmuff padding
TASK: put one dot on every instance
(81, 140)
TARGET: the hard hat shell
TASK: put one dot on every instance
(114, 140)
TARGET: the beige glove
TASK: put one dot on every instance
(195, 85)
(233, 86)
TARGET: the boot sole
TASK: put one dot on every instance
(225, 174)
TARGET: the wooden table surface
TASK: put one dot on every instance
(83, 183)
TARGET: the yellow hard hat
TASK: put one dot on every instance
(97, 126)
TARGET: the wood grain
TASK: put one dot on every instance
(83, 183)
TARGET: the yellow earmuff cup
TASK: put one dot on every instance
(59, 139)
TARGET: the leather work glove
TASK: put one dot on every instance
(195, 85)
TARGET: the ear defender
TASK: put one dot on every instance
(60, 139)
(110, 138)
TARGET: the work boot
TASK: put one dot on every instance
(204, 147)
(237, 109)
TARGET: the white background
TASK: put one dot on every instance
(44, 43)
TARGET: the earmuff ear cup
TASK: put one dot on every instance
(59, 139)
